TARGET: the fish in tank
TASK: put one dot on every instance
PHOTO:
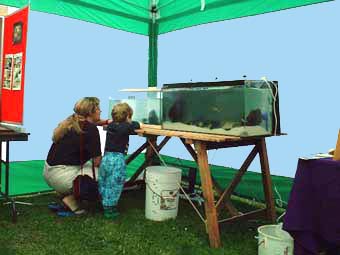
(237, 108)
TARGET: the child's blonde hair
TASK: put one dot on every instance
(120, 112)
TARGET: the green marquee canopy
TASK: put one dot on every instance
(155, 17)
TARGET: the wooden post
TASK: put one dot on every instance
(230, 208)
(209, 205)
(266, 180)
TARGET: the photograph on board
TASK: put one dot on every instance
(8, 72)
(17, 71)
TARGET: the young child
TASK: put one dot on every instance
(112, 171)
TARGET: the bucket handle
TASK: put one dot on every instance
(264, 241)
(162, 197)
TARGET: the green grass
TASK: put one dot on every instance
(39, 231)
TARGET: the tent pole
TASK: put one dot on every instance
(153, 52)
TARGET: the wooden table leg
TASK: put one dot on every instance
(209, 205)
(267, 181)
(230, 208)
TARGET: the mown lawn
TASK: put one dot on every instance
(39, 231)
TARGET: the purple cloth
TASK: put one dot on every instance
(313, 212)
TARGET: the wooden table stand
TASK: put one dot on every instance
(202, 143)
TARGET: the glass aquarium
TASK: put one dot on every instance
(237, 108)
(146, 109)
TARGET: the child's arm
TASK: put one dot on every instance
(103, 122)
(135, 124)
(132, 126)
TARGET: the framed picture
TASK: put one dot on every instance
(17, 71)
(17, 32)
(7, 82)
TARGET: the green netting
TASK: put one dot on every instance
(134, 15)
(26, 177)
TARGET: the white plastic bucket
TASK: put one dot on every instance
(161, 199)
(273, 240)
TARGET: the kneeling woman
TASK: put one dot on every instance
(64, 161)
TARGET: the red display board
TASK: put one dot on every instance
(13, 66)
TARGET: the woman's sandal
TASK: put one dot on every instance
(67, 213)
(55, 207)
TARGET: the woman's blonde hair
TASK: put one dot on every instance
(82, 109)
(121, 111)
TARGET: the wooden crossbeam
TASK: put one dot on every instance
(189, 149)
(136, 174)
(227, 203)
(237, 179)
(136, 153)
(229, 144)
(164, 142)
(246, 216)
(147, 160)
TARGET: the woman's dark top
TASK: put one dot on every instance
(67, 150)
(117, 136)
